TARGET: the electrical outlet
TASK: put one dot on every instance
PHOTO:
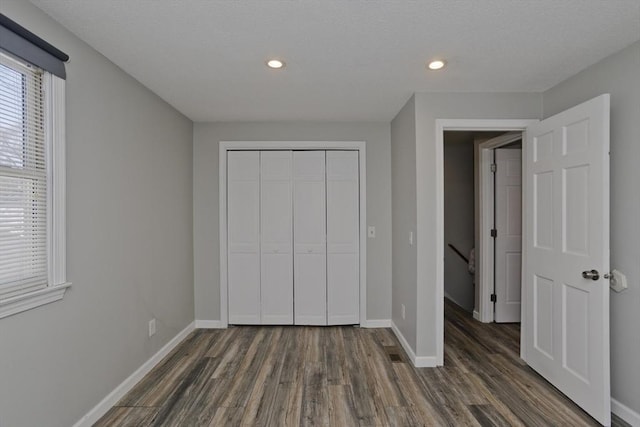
(404, 313)
(152, 327)
(371, 232)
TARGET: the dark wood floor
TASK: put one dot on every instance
(344, 376)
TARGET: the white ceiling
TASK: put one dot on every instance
(346, 60)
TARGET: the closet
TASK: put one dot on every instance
(293, 237)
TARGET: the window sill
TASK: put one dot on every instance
(20, 303)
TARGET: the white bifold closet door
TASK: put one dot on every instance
(343, 220)
(293, 237)
(310, 246)
(276, 278)
(243, 236)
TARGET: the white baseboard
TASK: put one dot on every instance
(627, 414)
(476, 315)
(425, 362)
(376, 323)
(210, 324)
(418, 361)
(217, 324)
(112, 398)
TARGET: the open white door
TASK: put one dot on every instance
(508, 245)
(566, 204)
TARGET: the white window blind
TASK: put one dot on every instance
(23, 179)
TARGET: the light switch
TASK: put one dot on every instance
(371, 232)
(411, 238)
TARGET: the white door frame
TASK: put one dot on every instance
(226, 146)
(443, 125)
(485, 252)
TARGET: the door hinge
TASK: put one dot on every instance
(494, 298)
(494, 233)
(494, 168)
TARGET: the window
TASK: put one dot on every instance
(32, 241)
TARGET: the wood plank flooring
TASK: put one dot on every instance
(345, 376)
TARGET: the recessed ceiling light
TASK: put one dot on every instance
(276, 64)
(437, 64)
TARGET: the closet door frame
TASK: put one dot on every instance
(226, 146)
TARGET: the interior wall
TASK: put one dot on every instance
(403, 168)
(618, 75)
(429, 107)
(206, 140)
(459, 218)
(129, 243)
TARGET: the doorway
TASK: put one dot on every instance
(565, 310)
(443, 125)
(499, 238)
(482, 253)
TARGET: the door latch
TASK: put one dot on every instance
(593, 274)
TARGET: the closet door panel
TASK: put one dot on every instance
(243, 229)
(310, 289)
(276, 245)
(343, 236)
(310, 257)
(343, 292)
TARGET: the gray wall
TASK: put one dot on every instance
(618, 75)
(459, 218)
(403, 169)
(429, 107)
(205, 196)
(129, 237)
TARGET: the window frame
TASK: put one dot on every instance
(54, 131)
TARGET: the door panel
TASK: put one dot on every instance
(310, 289)
(243, 228)
(543, 316)
(514, 278)
(576, 215)
(508, 244)
(277, 238)
(310, 249)
(543, 210)
(566, 328)
(343, 292)
(343, 219)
